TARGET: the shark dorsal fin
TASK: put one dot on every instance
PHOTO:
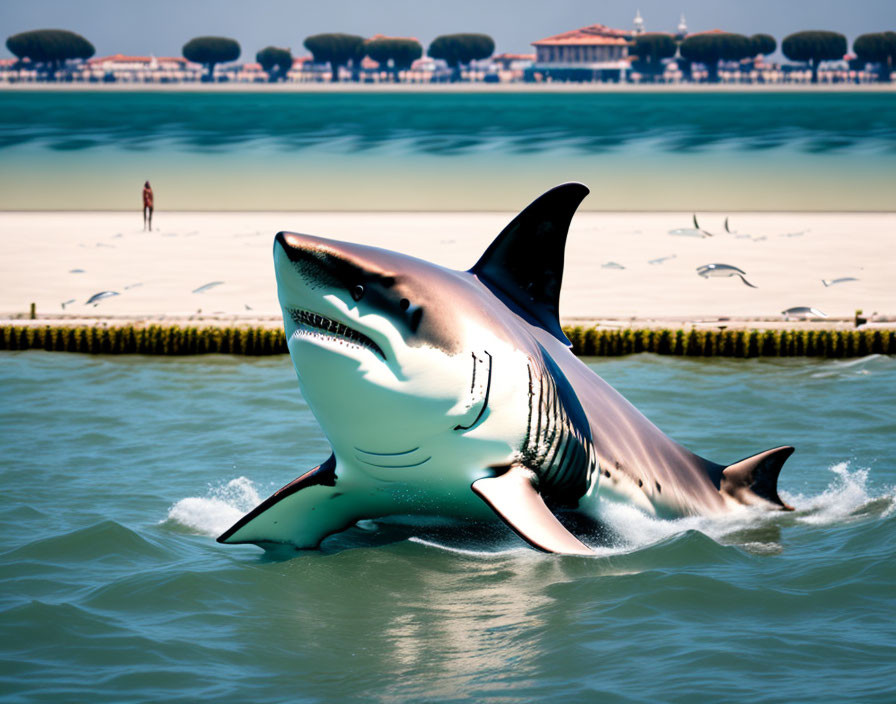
(524, 265)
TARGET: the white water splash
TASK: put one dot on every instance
(218, 510)
(634, 529)
(845, 498)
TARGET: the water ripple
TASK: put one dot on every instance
(450, 123)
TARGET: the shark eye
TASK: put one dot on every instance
(358, 292)
(404, 304)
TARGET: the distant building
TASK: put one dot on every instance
(249, 72)
(123, 62)
(509, 68)
(139, 69)
(426, 69)
(596, 52)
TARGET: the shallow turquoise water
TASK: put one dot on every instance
(118, 472)
(447, 151)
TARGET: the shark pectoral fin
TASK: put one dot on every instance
(302, 513)
(756, 477)
(513, 497)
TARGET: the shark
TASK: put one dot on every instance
(456, 394)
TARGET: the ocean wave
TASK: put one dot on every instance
(106, 540)
(861, 366)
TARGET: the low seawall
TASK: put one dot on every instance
(590, 342)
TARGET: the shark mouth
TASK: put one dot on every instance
(313, 324)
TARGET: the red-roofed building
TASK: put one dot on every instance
(596, 51)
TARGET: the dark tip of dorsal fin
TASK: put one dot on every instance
(524, 265)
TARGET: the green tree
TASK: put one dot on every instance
(650, 50)
(459, 49)
(50, 47)
(764, 44)
(210, 51)
(711, 47)
(813, 47)
(877, 48)
(394, 52)
(275, 61)
(336, 50)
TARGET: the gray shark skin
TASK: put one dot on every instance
(455, 393)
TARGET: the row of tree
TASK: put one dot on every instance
(811, 47)
(393, 53)
(338, 50)
(53, 47)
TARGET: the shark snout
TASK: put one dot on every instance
(303, 260)
(295, 246)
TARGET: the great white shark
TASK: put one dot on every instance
(455, 393)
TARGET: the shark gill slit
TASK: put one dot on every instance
(488, 388)
(558, 453)
(529, 421)
(473, 382)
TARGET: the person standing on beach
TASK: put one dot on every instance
(147, 206)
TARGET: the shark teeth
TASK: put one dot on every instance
(315, 324)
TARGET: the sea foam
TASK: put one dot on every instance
(219, 509)
(846, 498)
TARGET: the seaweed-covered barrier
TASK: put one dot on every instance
(151, 339)
(732, 343)
(181, 340)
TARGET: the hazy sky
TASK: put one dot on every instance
(161, 27)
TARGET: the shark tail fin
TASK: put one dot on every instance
(756, 477)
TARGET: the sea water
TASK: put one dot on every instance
(117, 473)
(764, 151)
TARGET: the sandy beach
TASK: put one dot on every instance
(622, 268)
